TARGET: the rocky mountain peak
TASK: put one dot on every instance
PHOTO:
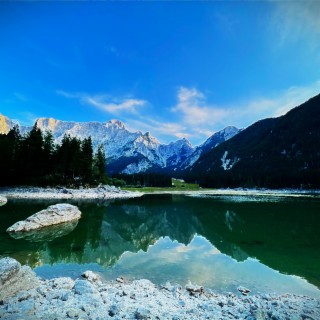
(117, 123)
(185, 141)
(147, 136)
(47, 123)
(4, 124)
(230, 131)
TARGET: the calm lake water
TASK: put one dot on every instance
(265, 244)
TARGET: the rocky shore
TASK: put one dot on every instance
(89, 298)
(102, 192)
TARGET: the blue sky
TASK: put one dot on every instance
(176, 69)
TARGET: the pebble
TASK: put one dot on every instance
(83, 287)
(120, 280)
(142, 313)
(91, 276)
(243, 290)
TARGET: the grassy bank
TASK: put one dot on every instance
(177, 185)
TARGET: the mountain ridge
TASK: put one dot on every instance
(273, 152)
(126, 152)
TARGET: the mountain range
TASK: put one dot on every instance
(128, 152)
(274, 152)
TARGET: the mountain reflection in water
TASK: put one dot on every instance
(210, 241)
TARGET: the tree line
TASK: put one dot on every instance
(34, 159)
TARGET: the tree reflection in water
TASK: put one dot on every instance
(280, 234)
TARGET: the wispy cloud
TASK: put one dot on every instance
(297, 20)
(112, 105)
(67, 94)
(158, 128)
(194, 109)
(21, 97)
(195, 118)
(277, 105)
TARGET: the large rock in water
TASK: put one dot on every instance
(14, 278)
(53, 215)
(46, 234)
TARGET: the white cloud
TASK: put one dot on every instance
(195, 118)
(106, 102)
(128, 105)
(194, 110)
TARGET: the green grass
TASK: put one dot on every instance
(176, 186)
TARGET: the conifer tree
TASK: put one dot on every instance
(48, 152)
(100, 165)
(31, 152)
(86, 161)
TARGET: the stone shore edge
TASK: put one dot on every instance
(25, 296)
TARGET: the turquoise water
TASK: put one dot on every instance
(266, 244)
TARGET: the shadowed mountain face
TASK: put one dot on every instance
(282, 234)
(277, 152)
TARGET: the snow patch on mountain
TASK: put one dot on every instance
(141, 166)
(227, 164)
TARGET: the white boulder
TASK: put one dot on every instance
(14, 278)
(53, 215)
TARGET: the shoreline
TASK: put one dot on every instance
(88, 297)
(99, 193)
(110, 192)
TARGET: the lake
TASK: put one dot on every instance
(268, 244)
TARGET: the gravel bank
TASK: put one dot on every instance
(90, 298)
(241, 192)
(102, 192)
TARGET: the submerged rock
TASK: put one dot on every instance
(14, 278)
(3, 200)
(53, 215)
(46, 233)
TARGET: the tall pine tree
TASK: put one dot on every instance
(86, 160)
(100, 172)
